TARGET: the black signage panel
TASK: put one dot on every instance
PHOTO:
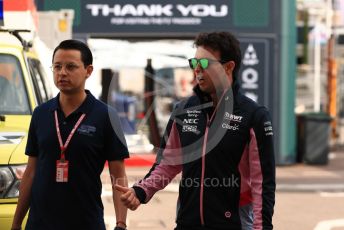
(258, 74)
(256, 70)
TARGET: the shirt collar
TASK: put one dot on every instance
(85, 107)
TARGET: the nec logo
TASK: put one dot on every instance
(232, 117)
(190, 121)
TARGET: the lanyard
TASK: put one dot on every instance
(63, 147)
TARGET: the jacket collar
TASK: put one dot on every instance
(234, 91)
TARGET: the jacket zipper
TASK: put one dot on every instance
(204, 149)
(203, 169)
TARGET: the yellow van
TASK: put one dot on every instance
(23, 86)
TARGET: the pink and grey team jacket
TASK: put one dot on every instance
(226, 158)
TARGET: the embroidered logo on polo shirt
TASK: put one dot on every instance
(87, 130)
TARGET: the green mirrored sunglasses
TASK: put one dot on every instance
(203, 62)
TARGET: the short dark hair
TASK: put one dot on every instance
(224, 42)
(71, 44)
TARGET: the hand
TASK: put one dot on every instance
(128, 197)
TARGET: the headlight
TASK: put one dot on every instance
(14, 191)
(10, 178)
(6, 180)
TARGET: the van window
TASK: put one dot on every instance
(38, 78)
(13, 95)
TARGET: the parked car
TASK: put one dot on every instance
(23, 86)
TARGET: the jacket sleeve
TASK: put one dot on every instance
(167, 166)
(262, 169)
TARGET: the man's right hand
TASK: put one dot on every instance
(128, 197)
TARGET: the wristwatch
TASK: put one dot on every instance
(119, 228)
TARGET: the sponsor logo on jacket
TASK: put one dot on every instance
(232, 117)
(193, 113)
(190, 128)
(233, 127)
(231, 121)
(190, 124)
(268, 128)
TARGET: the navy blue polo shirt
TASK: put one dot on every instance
(76, 204)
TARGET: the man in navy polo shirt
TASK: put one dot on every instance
(70, 138)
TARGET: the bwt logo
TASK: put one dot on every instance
(157, 10)
(232, 117)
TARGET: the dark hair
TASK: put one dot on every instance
(71, 44)
(225, 43)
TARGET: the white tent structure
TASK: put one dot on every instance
(130, 58)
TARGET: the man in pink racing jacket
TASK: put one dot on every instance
(222, 142)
